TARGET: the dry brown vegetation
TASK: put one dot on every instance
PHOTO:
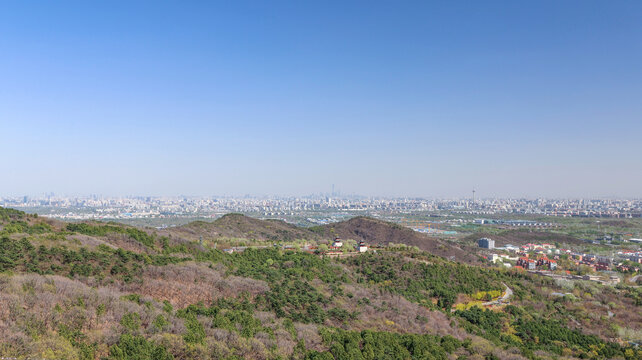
(34, 306)
(594, 309)
(385, 311)
(191, 283)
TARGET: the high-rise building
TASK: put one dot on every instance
(486, 243)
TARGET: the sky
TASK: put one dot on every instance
(388, 98)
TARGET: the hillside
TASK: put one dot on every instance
(372, 231)
(378, 232)
(91, 290)
(238, 226)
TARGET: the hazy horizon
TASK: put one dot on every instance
(415, 99)
(320, 195)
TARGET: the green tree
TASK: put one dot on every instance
(137, 348)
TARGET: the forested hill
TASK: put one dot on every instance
(107, 291)
(378, 232)
(374, 232)
(238, 226)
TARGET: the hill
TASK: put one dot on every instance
(238, 226)
(378, 232)
(16, 221)
(372, 231)
(96, 290)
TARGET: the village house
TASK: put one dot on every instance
(527, 263)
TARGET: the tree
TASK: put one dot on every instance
(137, 348)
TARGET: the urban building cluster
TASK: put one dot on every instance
(536, 257)
(617, 261)
(609, 208)
(542, 262)
(101, 207)
(514, 223)
(522, 260)
(634, 257)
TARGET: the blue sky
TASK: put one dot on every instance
(423, 98)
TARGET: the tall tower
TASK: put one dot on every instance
(473, 196)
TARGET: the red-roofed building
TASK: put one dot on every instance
(527, 263)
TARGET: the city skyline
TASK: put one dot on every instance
(417, 99)
(316, 195)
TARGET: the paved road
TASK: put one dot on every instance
(504, 299)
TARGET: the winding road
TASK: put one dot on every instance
(507, 295)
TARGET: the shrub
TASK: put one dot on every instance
(131, 322)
